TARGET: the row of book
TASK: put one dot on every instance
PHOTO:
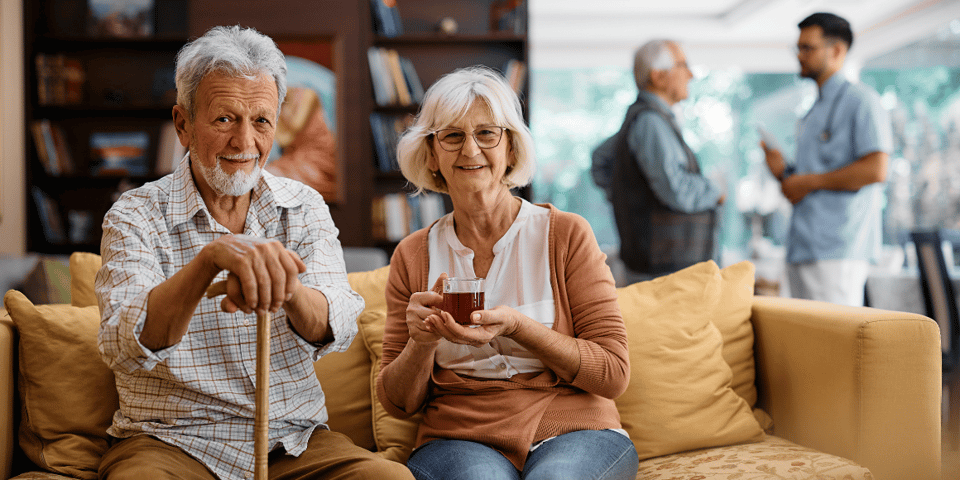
(396, 215)
(52, 149)
(113, 153)
(395, 80)
(80, 223)
(387, 128)
(60, 79)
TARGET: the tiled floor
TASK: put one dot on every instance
(950, 426)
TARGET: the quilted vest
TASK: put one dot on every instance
(653, 238)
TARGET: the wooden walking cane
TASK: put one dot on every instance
(262, 401)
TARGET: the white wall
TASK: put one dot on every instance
(12, 165)
(752, 35)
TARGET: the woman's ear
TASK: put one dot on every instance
(432, 162)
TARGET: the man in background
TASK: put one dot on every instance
(664, 207)
(835, 184)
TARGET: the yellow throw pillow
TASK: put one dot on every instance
(83, 273)
(395, 437)
(68, 395)
(680, 396)
(345, 375)
(732, 318)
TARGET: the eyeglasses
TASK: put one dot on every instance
(451, 139)
(808, 49)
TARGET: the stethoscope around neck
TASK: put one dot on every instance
(825, 134)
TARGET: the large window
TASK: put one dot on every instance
(576, 109)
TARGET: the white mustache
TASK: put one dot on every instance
(241, 156)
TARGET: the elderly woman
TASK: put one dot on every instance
(526, 390)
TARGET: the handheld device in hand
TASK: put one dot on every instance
(768, 138)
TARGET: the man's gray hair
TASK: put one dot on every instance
(653, 55)
(242, 52)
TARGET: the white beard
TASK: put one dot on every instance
(235, 184)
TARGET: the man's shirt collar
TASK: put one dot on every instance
(186, 202)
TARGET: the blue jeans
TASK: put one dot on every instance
(581, 455)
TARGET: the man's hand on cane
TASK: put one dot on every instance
(262, 273)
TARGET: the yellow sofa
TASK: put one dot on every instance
(724, 385)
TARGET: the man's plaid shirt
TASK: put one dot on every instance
(199, 393)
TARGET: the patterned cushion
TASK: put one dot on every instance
(773, 458)
(40, 476)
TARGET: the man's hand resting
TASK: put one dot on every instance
(262, 273)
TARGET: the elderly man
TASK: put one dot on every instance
(835, 184)
(665, 208)
(185, 365)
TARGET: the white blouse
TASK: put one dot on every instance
(519, 277)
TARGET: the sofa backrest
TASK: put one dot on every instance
(702, 308)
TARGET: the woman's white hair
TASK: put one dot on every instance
(445, 103)
(653, 55)
(243, 52)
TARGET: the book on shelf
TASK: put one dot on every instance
(386, 18)
(515, 72)
(52, 149)
(412, 79)
(395, 80)
(60, 79)
(508, 16)
(396, 74)
(45, 148)
(64, 158)
(396, 215)
(119, 153)
(386, 129)
(383, 91)
(120, 19)
(49, 213)
(169, 149)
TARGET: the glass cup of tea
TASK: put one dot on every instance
(461, 297)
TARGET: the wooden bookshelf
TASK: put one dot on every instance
(434, 53)
(127, 87)
(113, 84)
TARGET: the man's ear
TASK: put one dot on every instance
(838, 49)
(656, 79)
(182, 123)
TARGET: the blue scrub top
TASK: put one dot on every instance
(827, 224)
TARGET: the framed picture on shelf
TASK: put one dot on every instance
(119, 153)
(306, 147)
(120, 18)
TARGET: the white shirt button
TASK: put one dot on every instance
(246, 322)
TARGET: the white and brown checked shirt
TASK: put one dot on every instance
(199, 393)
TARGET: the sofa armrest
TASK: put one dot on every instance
(860, 383)
(8, 378)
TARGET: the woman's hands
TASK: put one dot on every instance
(422, 306)
(486, 325)
(427, 323)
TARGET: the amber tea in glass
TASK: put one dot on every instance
(461, 297)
